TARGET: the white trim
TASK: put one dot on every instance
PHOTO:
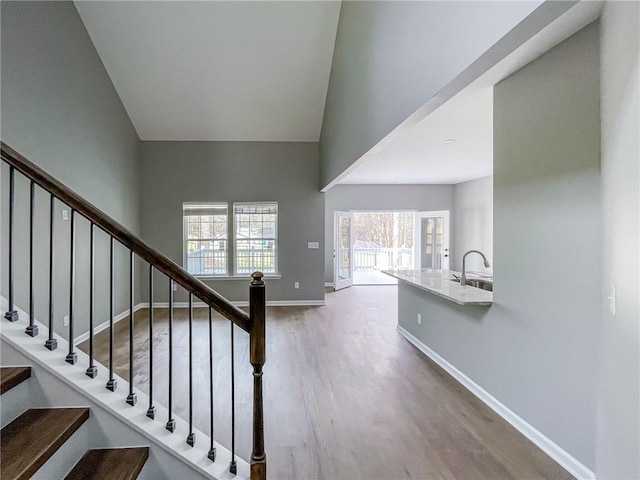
(104, 325)
(340, 283)
(247, 278)
(276, 253)
(288, 303)
(244, 303)
(564, 459)
(121, 316)
(446, 236)
(185, 231)
(329, 284)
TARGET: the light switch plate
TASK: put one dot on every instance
(612, 299)
(313, 245)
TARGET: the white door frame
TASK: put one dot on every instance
(446, 254)
(339, 283)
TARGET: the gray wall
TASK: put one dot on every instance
(391, 57)
(379, 197)
(177, 172)
(60, 110)
(534, 349)
(618, 445)
(472, 223)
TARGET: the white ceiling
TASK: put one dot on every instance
(419, 155)
(250, 71)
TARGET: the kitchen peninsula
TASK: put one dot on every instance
(444, 284)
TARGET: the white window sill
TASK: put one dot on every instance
(270, 276)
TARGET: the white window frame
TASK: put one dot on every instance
(185, 238)
(235, 238)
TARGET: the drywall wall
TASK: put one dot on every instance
(472, 220)
(379, 197)
(391, 57)
(178, 172)
(534, 349)
(60, 110)
(618, 441)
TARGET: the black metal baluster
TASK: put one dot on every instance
(151, 411)
(92, 370)
(171, 423)
(132, 397)
(233, 466)
(11, 314)
(51, 342)
(191, 438)
(72, 358)
(32, 328)
(212, 449)
(111, 384)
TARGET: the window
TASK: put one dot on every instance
(256, 235)
(205, 234)
(206, 240)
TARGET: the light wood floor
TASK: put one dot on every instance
(346, 397)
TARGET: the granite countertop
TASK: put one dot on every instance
(438, 282)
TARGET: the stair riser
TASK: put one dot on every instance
(66, 457)
(15, 401)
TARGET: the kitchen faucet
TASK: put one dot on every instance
(463, 278)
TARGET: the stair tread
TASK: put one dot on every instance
(29, 441)
(13, 376)
(110, 464)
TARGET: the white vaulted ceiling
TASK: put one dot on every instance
(250, 71)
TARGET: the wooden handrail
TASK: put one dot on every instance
(159, 261)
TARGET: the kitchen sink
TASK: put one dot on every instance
(477, 283)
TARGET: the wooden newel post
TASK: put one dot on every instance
(257, 307)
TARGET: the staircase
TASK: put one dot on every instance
(39, 442)
(32, 438)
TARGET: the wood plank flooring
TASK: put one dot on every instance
(346, 397)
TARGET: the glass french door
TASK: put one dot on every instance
(343, 250)
(432, 240)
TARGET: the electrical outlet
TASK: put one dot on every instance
(296, 285)
(65, 214)
(65, 321)
(419, 319)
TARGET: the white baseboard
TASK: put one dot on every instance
(244, 303)
(564, 459)
(287, 303)
(141, 305)
(329, 284)
(104, 325)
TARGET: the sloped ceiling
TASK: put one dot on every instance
(236, 71)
